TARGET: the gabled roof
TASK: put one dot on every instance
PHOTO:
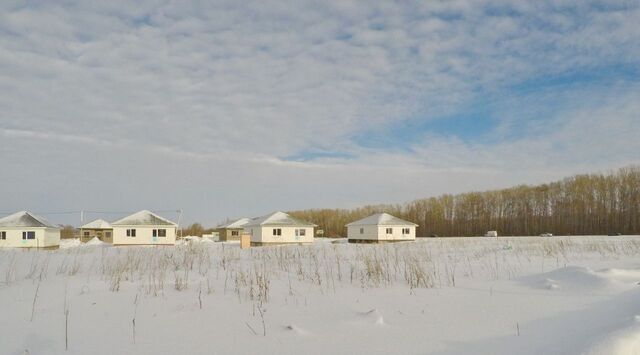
(143, 218)
(97, 224)
(26, 219)
(381, 219)
(278, 219)
(237, 224)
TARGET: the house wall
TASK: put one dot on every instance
(264, 234)
(144, 235)
(397, 232)
(45, 237)
(369, 232)
(255, 233)
(225, 234)
(379, 233)
(51, 237)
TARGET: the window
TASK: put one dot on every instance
(159, 232)
(406, 231)
(361, 230)
(389, 230)
(234, 233)
(86, 234)
(3, 235)
(277, 231)
(301, 232)
(107, 234)
(131, 233)
(28, 235)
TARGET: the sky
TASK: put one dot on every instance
(226, 109)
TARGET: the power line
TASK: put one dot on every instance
(44, 213)
(93, 212)
(123, 212)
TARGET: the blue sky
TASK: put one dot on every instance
(227, 109)
(539, 99)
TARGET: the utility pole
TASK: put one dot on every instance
(179, 219)
(81, 224)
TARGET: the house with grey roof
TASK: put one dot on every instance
(26, 230)
(232, 230)
(279, 228)
(98, 228)
(144, 228)
(381, 227)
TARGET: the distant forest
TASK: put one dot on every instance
(578, 205)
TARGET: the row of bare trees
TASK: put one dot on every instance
(579, 205)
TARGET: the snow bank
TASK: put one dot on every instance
(570, 278)
(194, 239)
(626, 276)
(200, 240)
(623, 341)
(326, 298)
(95, 242)
(70, 243)
(574, 278)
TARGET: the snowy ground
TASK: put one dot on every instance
(560, 295)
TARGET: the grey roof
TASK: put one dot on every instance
(381, 219)
(97, 224)
(278, 219)
(237, 224)
(143, 218)
(26, 219)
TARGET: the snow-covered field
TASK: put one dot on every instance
(528, 295)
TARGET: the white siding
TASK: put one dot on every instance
(51, 237)
(379, 232)
(45, 237)
(288, 234)
(144, 235)
(256, 234)
(368, 232)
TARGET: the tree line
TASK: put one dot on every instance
(579, 205)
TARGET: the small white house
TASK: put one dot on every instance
(98, 228)
(380, 227)
(144, 228)
(279, 228)
(232, 230)
(26, 230)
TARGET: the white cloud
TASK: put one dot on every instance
(233, 86)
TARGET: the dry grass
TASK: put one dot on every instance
(250, 274)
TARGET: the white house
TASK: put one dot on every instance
(279, 228)
(144, 228)
(381, 227)
(26, 230)
(232, 230)
(99, 228)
